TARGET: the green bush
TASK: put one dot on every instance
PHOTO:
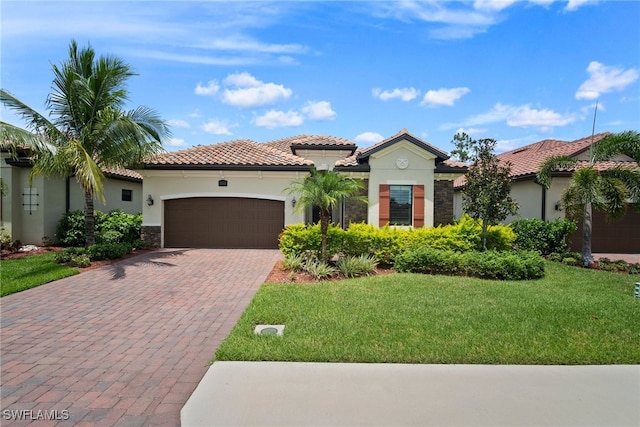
(306, 239)
(352, 266)
(114, 227)
(294, 262)
(545, 237)
(67, 254)
(106, 251)
(5, 238)
(387, 242)
(319, 270)
(503, 265)
(80, 261)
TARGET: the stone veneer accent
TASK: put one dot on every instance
(151, 234)
(356, 211)
(443, 203)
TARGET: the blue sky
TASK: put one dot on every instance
(516, 71)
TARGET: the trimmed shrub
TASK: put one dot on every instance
(114, 227)
(80, 261)
(67, 254)
(106, 251)
(505, 265)
(546, 237)
(387, 242)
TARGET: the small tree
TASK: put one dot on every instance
(486, 194)
(324, 189)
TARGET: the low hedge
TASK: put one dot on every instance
(97, 252)
(387, 242)
(113, 227)
(501, 265)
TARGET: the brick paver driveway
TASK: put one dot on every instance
(123, 345)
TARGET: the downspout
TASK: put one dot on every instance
(543, 211)
(67, 195)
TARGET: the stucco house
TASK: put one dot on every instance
(622, 236)
(232, 194)
(31, 212)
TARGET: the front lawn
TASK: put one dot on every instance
(571, 316)
(30, 271)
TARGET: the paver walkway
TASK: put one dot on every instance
(123, 345)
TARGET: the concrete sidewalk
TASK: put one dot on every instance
(328, 394)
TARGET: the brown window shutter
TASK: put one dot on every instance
(383, 210)
(418, 205)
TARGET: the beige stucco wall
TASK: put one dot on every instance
(528, 195)
(113, 195)
(384, 170)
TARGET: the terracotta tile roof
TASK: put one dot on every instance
(238, 153)
(289, 145)
(122, 173)
(526, 161)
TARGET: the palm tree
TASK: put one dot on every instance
(88, 131)
(609, 190)
(323, 190)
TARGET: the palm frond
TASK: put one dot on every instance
(551, 165)
(627, 143)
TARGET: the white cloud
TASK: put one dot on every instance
(368, 138)
(492, 5)
(576, 4)
(175, 142)
(218, 127)
(516, 116)
(404, 94)
(525, 116)
(250, 92)
(319, 110)
(275, 119)
(471, 131)
(436, 98)
(178, 123)
(242, 80)
(211, 89)
(604, 79)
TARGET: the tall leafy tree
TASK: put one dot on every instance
(608, 190)
(87, 130)
(486, 193)
(323, 190)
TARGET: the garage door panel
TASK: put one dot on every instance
(620, 236)
(223, 222)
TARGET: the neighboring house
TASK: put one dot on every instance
(232, 194)
(622, 236)
(32, 211)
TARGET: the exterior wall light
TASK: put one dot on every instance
(149, 200)
(293, 202)
(558, 206)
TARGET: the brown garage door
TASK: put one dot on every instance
(222, 222)
(620, 236)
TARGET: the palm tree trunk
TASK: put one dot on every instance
(587, 257)
(324, 226)
(89, 220)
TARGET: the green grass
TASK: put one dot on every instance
(28, 272)
(572, 316)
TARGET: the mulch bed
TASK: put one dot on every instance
(280, 275)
